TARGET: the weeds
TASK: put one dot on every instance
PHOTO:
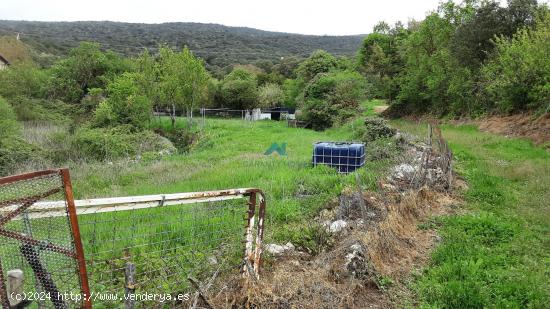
(496, 255)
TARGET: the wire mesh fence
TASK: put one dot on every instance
(39, 256)
(140, 251)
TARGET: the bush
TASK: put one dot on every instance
(239, 89)
(31, 109)
(517, 77)
(117, 142)
(376, 128)
(319, 114)
(125, 106)
(181, 138)
(271, 95)
(16, 153)
(8, 122)
(332, 98)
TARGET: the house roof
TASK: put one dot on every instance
(4, 60)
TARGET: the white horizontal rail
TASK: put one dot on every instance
(100, 205)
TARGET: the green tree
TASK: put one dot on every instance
(292, 89)
(182, 81)
(271, 95)
(126, 104)
(319, 62)
(23, 79)
(86, 67)
(239, 89)
(518, 75)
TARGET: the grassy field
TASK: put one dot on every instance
(229, 154)
(497, 255)
(494, 255)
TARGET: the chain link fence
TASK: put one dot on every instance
(141, 251)
(41, 257)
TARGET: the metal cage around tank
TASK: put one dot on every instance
(346, 157)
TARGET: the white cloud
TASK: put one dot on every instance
(307, 17)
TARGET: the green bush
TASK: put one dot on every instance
(182, 138)
(117, 142)
(16, 153)
(240, 89)
(126, 105)
(518, 76)
(375, 128)
(8, 122)
(32, 109)
(319, 114)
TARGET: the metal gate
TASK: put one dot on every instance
(41, 256)
(134, 245)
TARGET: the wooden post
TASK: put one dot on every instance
(361, 200)
(130, 288)
(15, 287)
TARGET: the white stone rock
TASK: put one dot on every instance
(338, 226)
(275, 249)
(289, 246)
(403, 171)
(212, 260)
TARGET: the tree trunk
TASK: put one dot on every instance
(173, 116)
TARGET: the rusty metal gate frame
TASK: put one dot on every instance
(253, 245)
(77, 254)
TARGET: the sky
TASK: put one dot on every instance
(336, 17)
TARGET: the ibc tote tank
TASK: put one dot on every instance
(345, 156)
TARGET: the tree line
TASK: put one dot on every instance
(471, 58)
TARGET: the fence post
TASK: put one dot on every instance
(15, 286)
(249, 253)
(130, 288)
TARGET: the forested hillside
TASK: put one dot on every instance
(218, 45)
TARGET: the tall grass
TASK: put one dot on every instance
(497, 255)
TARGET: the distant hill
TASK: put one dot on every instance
(218, 45)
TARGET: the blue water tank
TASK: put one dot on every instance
(345, 156)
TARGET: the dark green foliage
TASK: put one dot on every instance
(22, 80)
(181, 138)
(115, 143)
(31, 109)
(376, 128)
(292, 89)
(332, 97)
(126, 105)
(319, 62)
(86, 67)
(319, 114)
(220, 46)
(13, 150)
(240, 90)
(8, 122)
(518, 76)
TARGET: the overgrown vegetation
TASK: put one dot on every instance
(495, 255)
(464, 59)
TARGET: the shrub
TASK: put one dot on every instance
(117, 142)
(319, 114)
(319, 62)
(15, 152)
(239, 89)
(181, 138)
(8, 122)
(32, 109)
(271, 95)
(517, 77)
(376, 128)
(126, 105)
